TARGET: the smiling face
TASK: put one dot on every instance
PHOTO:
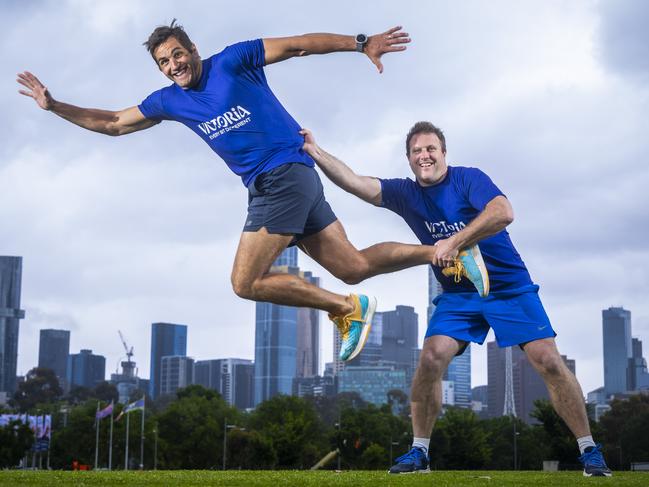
(427, 158)
(180, 65)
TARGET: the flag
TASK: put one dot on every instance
(105, 412)
(134, 406)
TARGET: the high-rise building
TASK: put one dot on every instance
(314, 386)
(637, 374)
(233, 378)
(86, 369)
(616, 330)
(528, 385)
(372, 382)
(459, 372)
(286, 338)
(10, 314)
(207, 373)
(400, 338)
(167, 339)
(308, 336)
(176, 372)
(53, 351)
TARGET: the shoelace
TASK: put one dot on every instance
(457, 270)
(594, 457)
(411, 455)
(343, 325)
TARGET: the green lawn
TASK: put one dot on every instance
(316, 479)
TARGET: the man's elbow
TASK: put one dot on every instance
(507, 215)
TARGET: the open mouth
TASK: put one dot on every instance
(426, 164)
(181, 72)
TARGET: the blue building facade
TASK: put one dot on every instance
(86, 369)
(10, 316)
(616, 331)
(276, 340)
(372, 382)
(166, 339)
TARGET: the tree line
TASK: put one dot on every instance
(197, 429)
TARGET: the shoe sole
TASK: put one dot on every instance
(477, 256)
(597, 475)
(410, 473)
(367, 325)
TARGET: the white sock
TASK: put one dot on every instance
(421, 443)
(584, 442)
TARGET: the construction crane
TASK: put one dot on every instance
(128, 366)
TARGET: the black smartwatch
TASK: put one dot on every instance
(361, 40)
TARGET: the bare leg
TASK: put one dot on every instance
(332, 249)
(251, 278)
(565, 392)
(426, 396)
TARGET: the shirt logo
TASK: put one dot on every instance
(443, 229)
(232, 119)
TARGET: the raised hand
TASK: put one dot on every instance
(35, 89)
(392, 40)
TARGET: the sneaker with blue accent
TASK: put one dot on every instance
(594, 464)
(355, 327)
(415, 461)
(469, 264)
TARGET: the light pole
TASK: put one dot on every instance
(516, 433)
(155, 447)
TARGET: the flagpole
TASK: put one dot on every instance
(142, 438)
(126, 453)
(97, 436)
(110, 441)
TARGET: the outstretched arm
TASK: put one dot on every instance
(103, 121)
(282, 48)
(365, 187)
(496, 216)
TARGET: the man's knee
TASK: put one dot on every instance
(433, 361)
(547, 361)
(244, 288)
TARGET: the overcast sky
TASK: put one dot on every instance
(550, 98)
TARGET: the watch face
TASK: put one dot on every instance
(361, 38)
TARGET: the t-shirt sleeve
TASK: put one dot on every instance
(152, 107)
(249, 55)
(479, 188)
(393, 194)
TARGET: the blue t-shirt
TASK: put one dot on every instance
(233, 109)
(437, 212)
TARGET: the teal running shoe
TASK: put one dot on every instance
(469, 264)
(594, 464)
(355, 327)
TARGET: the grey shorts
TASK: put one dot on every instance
(288, 199)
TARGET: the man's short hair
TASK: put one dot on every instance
(425, 128)
(164, 32)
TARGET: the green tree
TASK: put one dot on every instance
(15, 439)
(105, 391)
(40, 386)
(459, 442)
(249, 450)
(625, 431)
(294, 429)
(557, 437)
(191, 430)
(79, 394)
(374, 457)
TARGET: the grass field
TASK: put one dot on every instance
(317, 479)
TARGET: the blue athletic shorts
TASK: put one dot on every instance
(516, 317)
(288, 199)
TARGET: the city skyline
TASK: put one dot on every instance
(118, 233)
